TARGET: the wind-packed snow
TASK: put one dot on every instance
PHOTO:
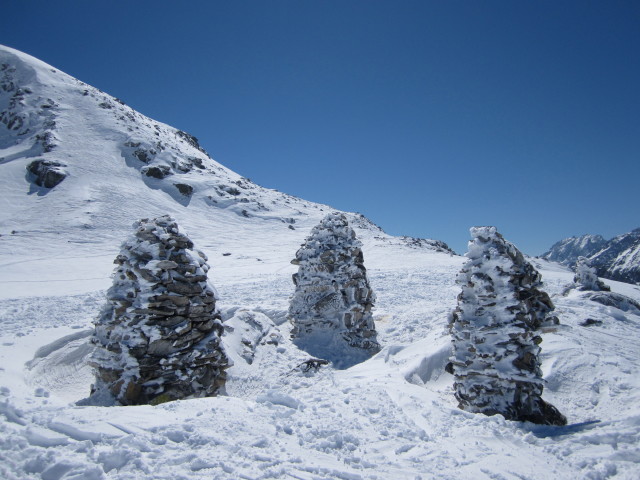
(392, 416)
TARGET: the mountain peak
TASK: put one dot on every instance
(615, 259)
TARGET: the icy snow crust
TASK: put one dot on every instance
(392, 416)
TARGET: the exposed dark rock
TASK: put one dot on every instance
(197, 162)
(47, 141)
(190, 139)
(230, 190)
(437, 245)
(313, 364)
(591, 322)
(47, 173)
(184, 189)
(143, 155)
(160, 171)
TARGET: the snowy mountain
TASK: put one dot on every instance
(77, 168)
(619, 259)
(615, 259)
(568, 250)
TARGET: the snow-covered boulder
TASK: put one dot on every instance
(47, 173)
(615, 300)
(158, 336)
(586, 278)
(245, 332)
(331, 307)
(494, 329)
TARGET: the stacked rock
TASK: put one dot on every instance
(586, 277)
(331, 307)
(158, 336)
(495, 343)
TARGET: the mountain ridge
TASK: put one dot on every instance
(614, 259)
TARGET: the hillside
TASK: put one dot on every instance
(393, 416)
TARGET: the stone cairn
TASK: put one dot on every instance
(158, 336)
(331, 307)
(494, 331)
(586, 277)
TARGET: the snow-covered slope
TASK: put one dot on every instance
(393, 416)
(616, 259)
(113, 158)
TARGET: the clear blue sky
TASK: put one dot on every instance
(428, 117)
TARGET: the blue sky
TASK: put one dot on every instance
(428, 117)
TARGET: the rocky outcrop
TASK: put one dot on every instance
(158, 336)
(495, 333)
(427, 243)
(331, 307)
(184, 189)
(25, 116)
(47, 173)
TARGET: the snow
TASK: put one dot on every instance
(392, 416)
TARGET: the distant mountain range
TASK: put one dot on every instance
(615, 259)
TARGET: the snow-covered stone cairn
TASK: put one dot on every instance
(494, 329)
(586, 277)
(331, 307)
(158, 336)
